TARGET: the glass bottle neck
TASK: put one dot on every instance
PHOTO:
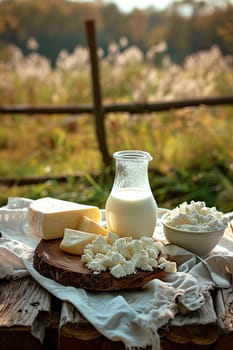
(132, 170)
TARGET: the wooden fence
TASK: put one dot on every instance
(99, 110)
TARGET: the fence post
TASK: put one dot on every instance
(96, 91)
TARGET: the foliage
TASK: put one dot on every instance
(59, 24)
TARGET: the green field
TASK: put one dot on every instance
(192, 148)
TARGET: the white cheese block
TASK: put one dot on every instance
(89, 225)
(48, 217)
(74, 241)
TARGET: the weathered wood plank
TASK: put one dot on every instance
(224, 309)
(75, 343)
(197, 331)
(110, 345)
(75, 332)
(224, 342)
(199, 327)
(168, 345)
(73, 324)
(24, 307)
(51, 334)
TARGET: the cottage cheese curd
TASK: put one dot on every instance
(196, 216)
(123, 256)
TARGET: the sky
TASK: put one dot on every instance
(129, 5)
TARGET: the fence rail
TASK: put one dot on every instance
(99, 110)
(132, 108)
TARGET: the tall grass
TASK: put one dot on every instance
(191, 147)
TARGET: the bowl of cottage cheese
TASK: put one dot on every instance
(194, 227)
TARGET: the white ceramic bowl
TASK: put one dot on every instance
(199, 243)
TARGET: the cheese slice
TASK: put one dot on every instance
(74, 241)
(48, 217)
(89, 225)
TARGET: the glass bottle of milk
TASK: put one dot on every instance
(131, 209)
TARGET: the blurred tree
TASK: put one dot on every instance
(155, 35)
(55, 24)
(225, 30)
(187, 26)
(113, 25)
(137, 25)
(178, 43)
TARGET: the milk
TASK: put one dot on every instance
(131, 212)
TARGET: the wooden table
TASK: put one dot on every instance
(28, 312)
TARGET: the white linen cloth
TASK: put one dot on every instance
(132, 317)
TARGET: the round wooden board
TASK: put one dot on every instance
(50, 261)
